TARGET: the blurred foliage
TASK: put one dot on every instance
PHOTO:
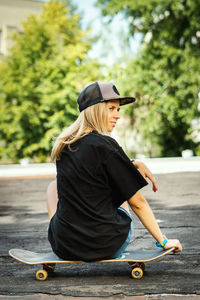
(40, 81)
(165, 76)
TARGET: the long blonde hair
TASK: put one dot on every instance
(92, 118)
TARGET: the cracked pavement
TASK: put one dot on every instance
(24, 222)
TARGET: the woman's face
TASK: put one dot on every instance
(112, 114)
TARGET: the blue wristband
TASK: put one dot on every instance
(161, 244)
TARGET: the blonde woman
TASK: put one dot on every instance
(88, 203)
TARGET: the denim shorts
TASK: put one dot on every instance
(127, 241)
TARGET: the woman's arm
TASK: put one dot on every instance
(141, 208)
(146, 173)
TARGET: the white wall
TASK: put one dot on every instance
(12, 13)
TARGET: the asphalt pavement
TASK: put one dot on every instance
(24, 222)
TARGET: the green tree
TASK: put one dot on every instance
(165, 76)
(40, 81)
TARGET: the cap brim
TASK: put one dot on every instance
(123, 101)
(126, 100)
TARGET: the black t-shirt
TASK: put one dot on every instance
(93, 180)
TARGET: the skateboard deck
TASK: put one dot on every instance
(136, 259)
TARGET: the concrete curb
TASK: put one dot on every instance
(156, 165)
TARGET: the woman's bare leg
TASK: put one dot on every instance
(52, 198)
(126, 206)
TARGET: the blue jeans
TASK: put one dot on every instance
(127, 241)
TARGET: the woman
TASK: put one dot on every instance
(96, 184)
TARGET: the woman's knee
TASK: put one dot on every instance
(52, 188)
(52, 198)
(125, 206)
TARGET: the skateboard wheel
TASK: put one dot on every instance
(137, 273)
(41, 275)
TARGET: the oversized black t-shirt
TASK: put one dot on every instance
(93, 180)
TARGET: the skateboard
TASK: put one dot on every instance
(136, 260)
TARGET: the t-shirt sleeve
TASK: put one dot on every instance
(124, 178)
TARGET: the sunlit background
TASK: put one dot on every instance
(50, 50)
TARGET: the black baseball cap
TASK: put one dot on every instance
(101, 92)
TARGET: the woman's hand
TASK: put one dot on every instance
(146, 173)
(173, 244)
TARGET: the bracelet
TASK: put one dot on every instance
(162, 244)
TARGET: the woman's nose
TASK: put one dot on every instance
(117, 115)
